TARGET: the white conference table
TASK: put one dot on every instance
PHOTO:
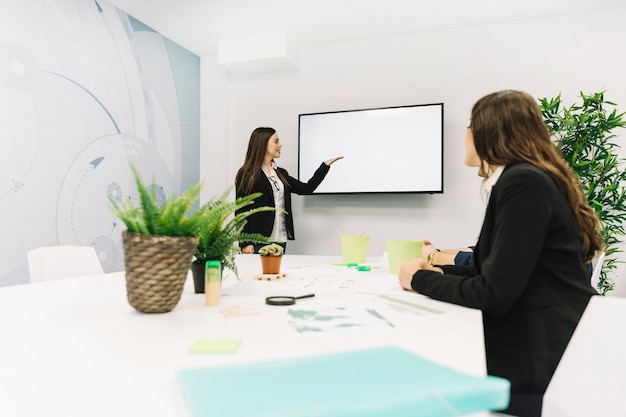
(76, 348)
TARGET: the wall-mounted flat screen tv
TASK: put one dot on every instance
(386, 150)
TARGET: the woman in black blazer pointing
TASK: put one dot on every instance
(530, 278)
(260, 173)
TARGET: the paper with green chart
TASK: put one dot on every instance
(388, 302)
(381, 312)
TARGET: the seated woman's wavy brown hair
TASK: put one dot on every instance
(508, 127)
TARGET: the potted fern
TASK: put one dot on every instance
(271, 257)
(584, 134)
(158, 245)
(219, 226)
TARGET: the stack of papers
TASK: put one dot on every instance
(380, 382)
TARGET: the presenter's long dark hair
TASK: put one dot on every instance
(253, 164)
(508, 127)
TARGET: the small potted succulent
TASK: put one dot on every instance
(271, 257)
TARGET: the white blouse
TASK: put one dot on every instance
(279, 231)
(489, 182)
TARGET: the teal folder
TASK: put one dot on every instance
(381, 382)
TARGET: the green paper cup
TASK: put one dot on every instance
(354, 248)
(400, 251)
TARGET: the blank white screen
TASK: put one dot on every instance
(386, 150)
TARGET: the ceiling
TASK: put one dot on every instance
(198, 25)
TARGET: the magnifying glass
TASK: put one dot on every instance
(281, 300)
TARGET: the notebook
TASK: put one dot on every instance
(381, 382)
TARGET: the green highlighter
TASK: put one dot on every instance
(213, 282)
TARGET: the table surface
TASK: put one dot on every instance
(75, 347)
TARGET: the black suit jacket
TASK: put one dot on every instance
(263, 222)
(529, 279)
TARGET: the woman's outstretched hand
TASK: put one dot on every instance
(333, 160)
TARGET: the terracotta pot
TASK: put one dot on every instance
(271, 264)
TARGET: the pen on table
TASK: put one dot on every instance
(355, 265)
(239, 311)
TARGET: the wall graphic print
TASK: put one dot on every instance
(84, 90)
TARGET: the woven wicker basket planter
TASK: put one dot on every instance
(156, 269)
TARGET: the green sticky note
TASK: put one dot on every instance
(215, 346)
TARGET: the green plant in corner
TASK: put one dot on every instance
(584, 135)
(219, 226)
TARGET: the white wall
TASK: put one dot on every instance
(569, 54)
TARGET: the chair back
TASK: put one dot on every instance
(590, 379)
(596, 264)
(54, 262)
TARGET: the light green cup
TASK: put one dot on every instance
(354, 248)
(400, 251)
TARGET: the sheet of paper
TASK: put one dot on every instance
(321, 278)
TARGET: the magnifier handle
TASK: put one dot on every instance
(305, 296)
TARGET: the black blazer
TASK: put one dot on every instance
(263, 222)
(529, 279)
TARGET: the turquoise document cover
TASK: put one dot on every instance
(381, 382)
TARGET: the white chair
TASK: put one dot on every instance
(596, 263)
(590, 379)
(53, 262)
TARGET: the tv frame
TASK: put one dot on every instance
(440, 189)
